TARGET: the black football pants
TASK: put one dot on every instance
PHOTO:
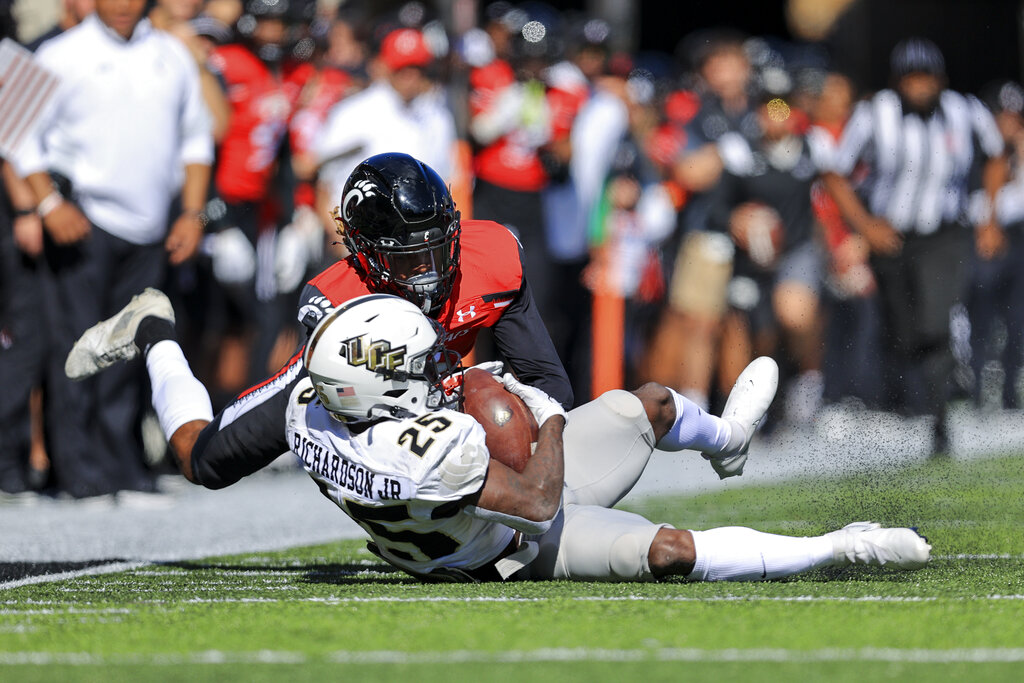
(918, 287)
(95, 447)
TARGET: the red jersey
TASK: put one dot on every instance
(568, 91)
(489, 278)
(511, 161)
(260, 109)
(319, 89)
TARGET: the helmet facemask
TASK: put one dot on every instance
(423, 268)
(436, 367)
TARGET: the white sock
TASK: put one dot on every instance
(178, 397)
(696, 429)
(735, 553)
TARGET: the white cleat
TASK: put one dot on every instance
(853, 528)
(868, 543)
(745, 408)
(113, 339)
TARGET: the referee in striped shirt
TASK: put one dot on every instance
(918, 143)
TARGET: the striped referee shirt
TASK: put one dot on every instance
(918, 166)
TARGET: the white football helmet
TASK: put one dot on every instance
(378, 356)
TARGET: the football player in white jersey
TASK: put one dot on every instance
(377, 426)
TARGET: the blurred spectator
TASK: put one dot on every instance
(26, 335)
(336, 70)
(23, 339)
(248, 208)
(853, 321)
(763, 201)
(226, 12)
(703, 265)
(402, 110)
(633, 215)
(71, 14)
(104, 166)
(181, 19)
(565, 305)
(918, 141)
(167, 15)
(997, 287)
(502, 21)
(850, 275)
(510, 123)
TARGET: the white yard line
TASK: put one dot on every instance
(447, 658)
(62, 576)
(579, 598)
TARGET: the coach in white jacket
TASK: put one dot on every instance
(128, 131)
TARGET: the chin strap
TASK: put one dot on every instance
(391, 412)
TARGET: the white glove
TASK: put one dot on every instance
(298, 244)
(729, 465)
(540, 404)
(290, 259)
(494, 367)
(307, 223)
(232, 255)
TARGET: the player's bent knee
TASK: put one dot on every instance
(796, 306)
(659, 406)
(651, 399)
(625, 403)
(672, 552)
(601, 544)
(627, 558)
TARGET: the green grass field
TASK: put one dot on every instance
(334, 611)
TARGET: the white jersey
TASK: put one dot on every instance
(403, 481)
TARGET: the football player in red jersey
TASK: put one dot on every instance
(405, 237)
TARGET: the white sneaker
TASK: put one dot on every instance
(868, 543)
(744, 409)
(853, 528)
(113, 339)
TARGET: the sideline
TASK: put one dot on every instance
(110, 568)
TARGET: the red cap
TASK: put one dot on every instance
(405, 47)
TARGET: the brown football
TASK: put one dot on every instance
(508, 423)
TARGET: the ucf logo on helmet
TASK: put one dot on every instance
(374, 355)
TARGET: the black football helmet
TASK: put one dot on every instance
(399, 222)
